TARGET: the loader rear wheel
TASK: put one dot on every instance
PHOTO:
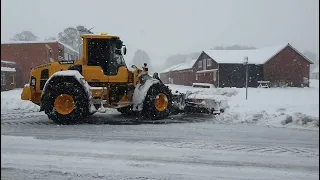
(158, 102)
(66, 103)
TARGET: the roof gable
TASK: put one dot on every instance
(255, 56)
(305, 57)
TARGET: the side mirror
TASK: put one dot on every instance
(119, 44)
(155, 75)
(118, 51)
(124, 50)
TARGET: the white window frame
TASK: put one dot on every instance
(3, 79)
(200, 64)
(214, 76)
(197, 76)
(209, 62)
(204, 64)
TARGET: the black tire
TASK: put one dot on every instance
(149, 110)
(126, 110)
(79, 96)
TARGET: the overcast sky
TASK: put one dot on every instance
(166, 27)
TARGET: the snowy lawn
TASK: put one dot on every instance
(281, 107)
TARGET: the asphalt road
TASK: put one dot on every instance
(182, 147)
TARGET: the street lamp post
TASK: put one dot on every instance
(246, 64)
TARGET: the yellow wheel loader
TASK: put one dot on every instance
(69, 91)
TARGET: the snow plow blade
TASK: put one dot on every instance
(194, 102)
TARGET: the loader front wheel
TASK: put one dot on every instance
(65, 103)
(157, 104)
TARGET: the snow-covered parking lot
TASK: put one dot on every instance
(245, 142)
(280, 107)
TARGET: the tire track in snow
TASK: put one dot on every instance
(39, 120)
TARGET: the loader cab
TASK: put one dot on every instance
(103, 51)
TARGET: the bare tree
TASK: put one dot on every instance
(24, 36)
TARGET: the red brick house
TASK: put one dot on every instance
(281, 65)
(180, 74)
(10, 75)
(28, 54)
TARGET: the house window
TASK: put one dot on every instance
(209, 62)
(200, 64)
(13, 80)
(197, 77)
(3, 79)
(204, 64)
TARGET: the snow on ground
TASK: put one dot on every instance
(127, 159)
(11, 100)
(314, 83)
(280, 107)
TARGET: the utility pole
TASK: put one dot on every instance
(246, 64)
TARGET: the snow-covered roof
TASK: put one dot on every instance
(170, 68)
(8, 69)
(28, 42)
(7, 62)
(182, 66)
(316, 70)
(255, 56)
(186, 65)
(35, 42)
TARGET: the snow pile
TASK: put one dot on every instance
(228, 92)
(280, 107)
(274, 107)
(11, 100)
